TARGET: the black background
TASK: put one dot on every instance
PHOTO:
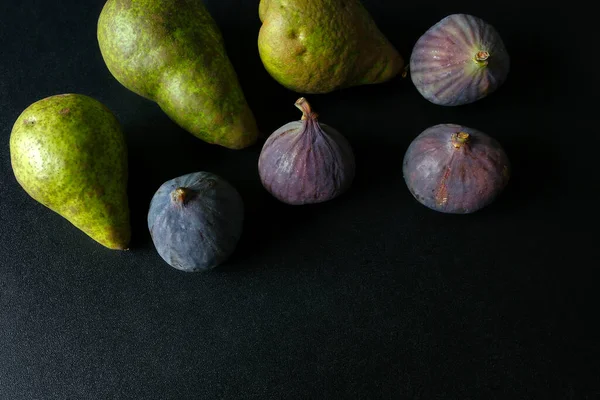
(369, 296)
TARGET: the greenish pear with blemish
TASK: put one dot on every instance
(318, 46)
(172, 52)
(69, 153)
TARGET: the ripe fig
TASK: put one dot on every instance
(305, 161)
(459, 60)
(196, 221)
(455, 169)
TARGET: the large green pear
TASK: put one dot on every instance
(318, 46)
(68, 152)
(172, 52)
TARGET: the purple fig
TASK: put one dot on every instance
(195, 221)
(306, 161)
(454, 169)
(459, 60)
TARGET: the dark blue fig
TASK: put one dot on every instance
(305, 161)
(459, 60)
(455, 169)
(196, 221)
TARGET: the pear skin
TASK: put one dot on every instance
(172, 52)
(318, 46)
(68, 152)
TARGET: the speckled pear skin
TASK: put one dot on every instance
(318, 46)
(172, 52)
(459, 60)
(68, 152)
(196, 221)
(455, 169)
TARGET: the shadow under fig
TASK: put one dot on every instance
(159, 150)
(528, 100)
(379, 166)
(268, 224)
(536, 179)
(536, 76)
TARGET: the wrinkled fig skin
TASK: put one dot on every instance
(172, 52)
(196, 221)
(68, 152)
(458, 61)
(454, 169)
(306, 162)
(318, 46)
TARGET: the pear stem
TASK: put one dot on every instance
(481, 58)
(180, 195)
(307, 111)
(459, 139)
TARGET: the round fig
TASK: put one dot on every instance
(305, 161)
(459, 60)
(455, 169)
(196, 221)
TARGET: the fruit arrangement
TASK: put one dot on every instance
(68, 151)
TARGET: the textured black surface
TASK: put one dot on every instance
(371, 296)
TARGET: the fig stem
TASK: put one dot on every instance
(481, 58)
(179, 195)
(459, 139)
(405, 71)
(307, 111)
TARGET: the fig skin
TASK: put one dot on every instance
(306, 162)
(459, 60)
(455, 169)
(196, 221)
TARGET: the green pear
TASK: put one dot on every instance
(173, 53)
(68, 152)
(318, 46)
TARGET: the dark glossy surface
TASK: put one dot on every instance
(370, 297)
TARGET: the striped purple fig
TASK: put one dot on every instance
(305, 161)
(459, 60)
(455, 169)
